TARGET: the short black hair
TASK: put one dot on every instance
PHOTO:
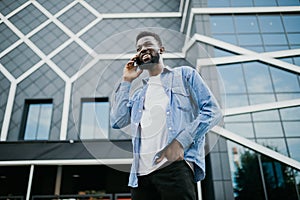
(148, 33)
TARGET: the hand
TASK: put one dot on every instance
(130, 71)
(173, 152)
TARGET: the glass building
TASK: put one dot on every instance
(60, 62)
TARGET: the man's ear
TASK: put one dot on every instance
(161, 50)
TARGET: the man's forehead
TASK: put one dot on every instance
(146, 39)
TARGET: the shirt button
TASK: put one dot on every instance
(140, 110)
(170, 128)
(168, 113)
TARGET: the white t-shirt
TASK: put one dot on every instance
(153, 126)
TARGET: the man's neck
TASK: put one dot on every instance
(156, 69)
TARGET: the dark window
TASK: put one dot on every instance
(94, 122)
(37, 119)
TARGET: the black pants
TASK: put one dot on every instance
(172, 182)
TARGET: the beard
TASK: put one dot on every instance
(151, 63)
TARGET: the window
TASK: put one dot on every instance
(94, 122)
(37, 119)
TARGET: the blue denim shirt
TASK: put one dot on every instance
(192, 111)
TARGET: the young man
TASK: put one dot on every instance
(169, 117)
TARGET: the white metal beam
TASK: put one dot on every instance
(256, 147)
(120, 161)
(261, 107)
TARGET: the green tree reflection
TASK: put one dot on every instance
(279, 179)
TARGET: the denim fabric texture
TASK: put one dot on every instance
(191, 113)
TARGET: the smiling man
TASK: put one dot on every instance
(169, 118)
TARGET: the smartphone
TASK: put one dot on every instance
(137, 62)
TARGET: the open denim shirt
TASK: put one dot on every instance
(192, 111)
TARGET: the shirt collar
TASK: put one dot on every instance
(166, 69)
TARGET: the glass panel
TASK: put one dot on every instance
(288, 2)
(77, 18)
(292, 129)
(221, 24)
(257, 77)
(294, 38)
(270, 24)
(218, 3)
(7, 37)
(238, 118)
(284, 81)
(241, 3)
(261, 98)
(291, 23)
(290, 113)
(226, 38)
(236, 101)
(242, 129)
(271, 115)
(276, 48)
(249, 39)
(54, 6)
(38, 122)
(246, 24)
(265, 3)
(44, 122)
(279, 179)
(245, 172)
(49, 38)
(274, 39)
(277, 145)
(6, 6)
(94, 120)
(28, 19)
(233, 85)
(294, 149)
(287, 96)
(268, 129)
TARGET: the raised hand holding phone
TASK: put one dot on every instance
(131, 71)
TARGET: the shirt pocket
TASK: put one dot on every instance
(181, 98)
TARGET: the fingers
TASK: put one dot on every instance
(160, 158)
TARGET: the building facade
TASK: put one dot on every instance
(60, 62)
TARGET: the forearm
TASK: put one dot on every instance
(120, 110)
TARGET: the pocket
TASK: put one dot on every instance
(181, 98)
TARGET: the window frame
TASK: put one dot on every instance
(27, 104)
(91, 100)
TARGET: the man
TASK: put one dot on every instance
(169, 117)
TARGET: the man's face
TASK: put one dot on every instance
(148, 52)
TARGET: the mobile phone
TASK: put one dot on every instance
(137, 62)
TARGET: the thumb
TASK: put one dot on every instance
(162, 156)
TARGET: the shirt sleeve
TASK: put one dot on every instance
(121, 106)
(208, 115)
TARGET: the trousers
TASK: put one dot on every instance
(173, 182)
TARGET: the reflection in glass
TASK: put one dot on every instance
(284, 81)
(271, 115)
(292, 113)
(294, 144)
(292, 129)
(257, 77)
(291, 23)
(276, 144)
(249, 39)
(246, 24)
(38, 122)
(236, 100)
(233, 85)
(242, 129)
(94, 120)
(268, 129)
(274, 39)
(270, 24)
(221, 24)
